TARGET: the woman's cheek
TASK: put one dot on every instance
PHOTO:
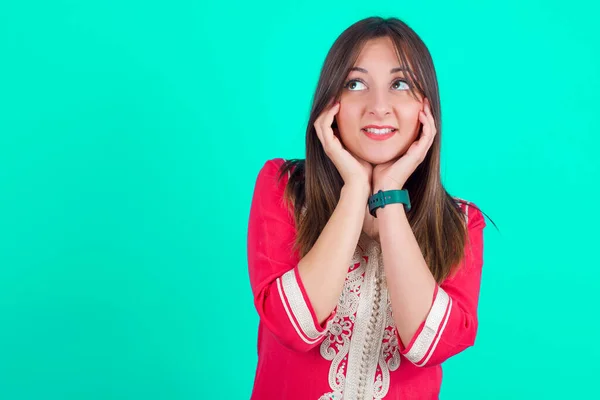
(345, 120)
(411, 118)
(410, 112)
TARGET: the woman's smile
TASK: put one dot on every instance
(379, 134)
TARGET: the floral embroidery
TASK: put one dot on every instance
(336, 345)
(363, 355)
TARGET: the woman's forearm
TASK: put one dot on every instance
(323, 269)
(410, 283)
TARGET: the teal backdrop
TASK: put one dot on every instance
(131, 134)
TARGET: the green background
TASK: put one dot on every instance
(124, 123)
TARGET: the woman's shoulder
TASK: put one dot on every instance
(272, 168)
(275, 174)
(275, 162)
(269, 175)
(280, 168)
(471, 211)
(270, 188)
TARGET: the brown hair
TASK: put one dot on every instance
(315, 184)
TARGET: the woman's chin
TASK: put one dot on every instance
(376, 159)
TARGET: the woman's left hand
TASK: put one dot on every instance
(393, 174)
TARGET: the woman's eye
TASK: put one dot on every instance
(406, 86)
(398, 84)
(351, 84)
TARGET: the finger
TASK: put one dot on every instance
(432, 131)
(327, 121)
(320, 136)
(429, 115)
(318, 124)
(426, 130)
(331, 113)
(427, 135)
(325, 134)
(324, 115)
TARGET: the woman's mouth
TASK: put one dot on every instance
(379, 134)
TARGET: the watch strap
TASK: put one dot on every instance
(381, 198)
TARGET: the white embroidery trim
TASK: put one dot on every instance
(289, 291)
(439, 336)
(336, 346)
(424, 341)
(391, 349)
(364, 335)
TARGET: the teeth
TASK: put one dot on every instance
(379, 131)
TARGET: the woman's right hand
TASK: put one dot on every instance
(353, 170)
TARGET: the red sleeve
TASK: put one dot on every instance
(451, 325)
(279, 296)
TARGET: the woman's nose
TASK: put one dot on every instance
(379, 104)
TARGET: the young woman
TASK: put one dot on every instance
(353, 305)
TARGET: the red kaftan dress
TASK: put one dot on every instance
(356, 353)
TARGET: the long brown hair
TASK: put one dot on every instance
(314, 187)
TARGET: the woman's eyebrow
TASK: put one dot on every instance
(397, 69)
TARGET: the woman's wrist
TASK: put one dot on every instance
(385, 186)
(355, 189)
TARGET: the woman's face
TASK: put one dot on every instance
(375, 94)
